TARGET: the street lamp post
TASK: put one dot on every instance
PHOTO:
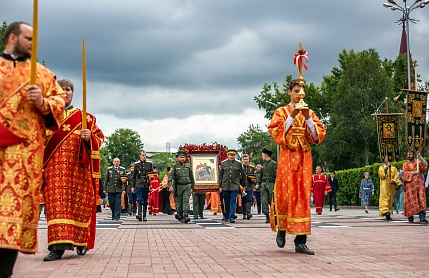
(406, 10)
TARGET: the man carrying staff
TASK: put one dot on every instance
(294, 130)
(26, 111)
(72, 170)
(414, 187)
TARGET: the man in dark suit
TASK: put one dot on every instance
(333, 182)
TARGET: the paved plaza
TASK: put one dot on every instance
(347, 243)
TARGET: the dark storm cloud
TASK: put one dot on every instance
(149, 58)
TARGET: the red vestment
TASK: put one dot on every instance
(154, 196)
(320, 186)
(72, 170)
(414, 188)
(291, 206)
(22, 136)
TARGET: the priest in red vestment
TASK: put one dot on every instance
(320, 188)
(72, 173)
(414, 187)
(26, 111)
(294, 130)
(154, 189)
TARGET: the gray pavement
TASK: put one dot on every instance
(347, 243)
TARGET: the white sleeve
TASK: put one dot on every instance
(310, 125)
(288, 124)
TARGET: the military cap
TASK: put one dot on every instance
(180, 154)
(124, 176)
(231, 152)
(267, 152)
(155, 167)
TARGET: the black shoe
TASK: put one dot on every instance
(424, 221)
(249, 216)
(54, 255)
(201, 216)
(319, 213)
(231, 221)
(281, 239)
(267, 218)
(195, 216)
(235, 216)
(81, 250)
(387, 215)
(244, 216)
(302, 248)
(330, 209)
(337, 209)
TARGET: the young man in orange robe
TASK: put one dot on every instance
(26, 111)
(294, 130)
(319, 189)
(72, 170)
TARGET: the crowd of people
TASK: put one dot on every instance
(47, 141)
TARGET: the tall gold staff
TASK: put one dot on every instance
(33, 67)
(84, 123)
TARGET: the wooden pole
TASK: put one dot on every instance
(84, 123)
(33, 67)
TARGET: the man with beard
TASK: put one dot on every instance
(71, 173)
(26, 111)
(414, 187)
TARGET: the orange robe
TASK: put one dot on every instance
(320, 186)
(154, 196)
(414, 188)
(213, 200)
(291, 206)
(22, 129)
(72, 172)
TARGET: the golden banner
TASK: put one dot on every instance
(387, 129)
(416, 119)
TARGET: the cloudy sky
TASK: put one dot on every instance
(186, 71)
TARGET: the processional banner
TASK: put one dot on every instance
(387, 128)
(416, 119)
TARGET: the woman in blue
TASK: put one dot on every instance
(366, 191)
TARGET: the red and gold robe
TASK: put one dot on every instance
(72, 172)
(154, 196)
(291, 206)
(22, 129)
(414, 188)
(319, 188)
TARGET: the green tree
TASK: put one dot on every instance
(356, 90)
(2, 31)
(162, 160)
(253, 141)
(125, 144)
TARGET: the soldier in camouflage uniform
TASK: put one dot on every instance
(266, 180)
(182, 177)
(230, 178)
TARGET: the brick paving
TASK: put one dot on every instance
(347, 243)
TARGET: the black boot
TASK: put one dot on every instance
(267, 217)
(179, 216)
(185, 218)
(139, 213)
(281, 239)
(54, 255)
(144, 212)
(248, 209)
(130, 210)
